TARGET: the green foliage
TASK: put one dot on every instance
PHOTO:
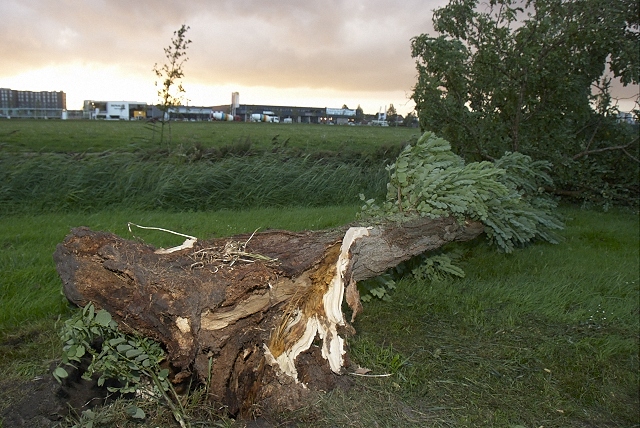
(436, 268)
(128, 359)
(379, 287)
(535, 78)
(428, 179)
(132, 361)
(430, 267)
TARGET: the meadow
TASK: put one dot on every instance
(80, 136)
(545, 336)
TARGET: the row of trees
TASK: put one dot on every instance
(535, 77)
(391, 115)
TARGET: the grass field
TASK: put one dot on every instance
(82, 136)
(546, 336)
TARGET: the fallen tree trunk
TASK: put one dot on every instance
(257, 316)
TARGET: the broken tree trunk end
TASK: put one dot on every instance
(257, 316)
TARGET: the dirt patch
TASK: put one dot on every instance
(43, 402)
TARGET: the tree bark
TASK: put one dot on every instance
(257, 317)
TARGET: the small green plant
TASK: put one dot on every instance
(436, 267)
(170, 74)
(379, 286)
(132, 361)
(425, 267)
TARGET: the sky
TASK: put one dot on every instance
(326, 53)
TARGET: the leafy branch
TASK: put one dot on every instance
(428, 179)
(507, 196)
(132, 361)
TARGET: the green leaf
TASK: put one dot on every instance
(142, 356)
(103, 318)
(80, 351)
(116, 341)
(163, 374)
(60, 373)
(135, 412)
(124, 347)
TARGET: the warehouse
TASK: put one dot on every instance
(114, 110)
(291, 114)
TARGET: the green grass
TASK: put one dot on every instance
(545, 336)
(59, 183)
(44, 169)
(82, 136)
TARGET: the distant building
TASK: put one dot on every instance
(29, 104)
(129, 110)
(187, 113)
(135, 110)
(626, 117)
(290, 114)
(114, 110)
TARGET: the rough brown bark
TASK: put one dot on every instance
(258, 316)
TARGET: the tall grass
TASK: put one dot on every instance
(63, 183)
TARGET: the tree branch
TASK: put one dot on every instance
(606, 149)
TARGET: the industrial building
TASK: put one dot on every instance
(135, 110)
(30, 104)
(129, 110)
(290, 114)
(114, 110)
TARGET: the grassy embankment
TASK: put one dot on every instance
(546, 336)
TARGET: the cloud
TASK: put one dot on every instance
(359, 48)
(339, 44)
